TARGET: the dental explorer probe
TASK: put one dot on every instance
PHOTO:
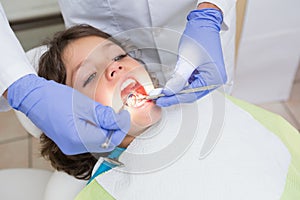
(106, 143)
(186, 91)
(105, 146)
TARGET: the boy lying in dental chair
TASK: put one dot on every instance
(255, 156)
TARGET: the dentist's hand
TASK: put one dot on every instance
(74, 122)
(200, 61)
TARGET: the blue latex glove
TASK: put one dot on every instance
(200, 61)
(73, 121)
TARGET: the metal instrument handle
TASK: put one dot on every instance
(186, 91)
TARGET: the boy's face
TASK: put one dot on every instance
(101, 70)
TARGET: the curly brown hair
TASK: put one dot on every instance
(51, 67)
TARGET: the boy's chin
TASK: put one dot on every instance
(136, 130)
(141, 122)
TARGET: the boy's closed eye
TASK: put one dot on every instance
(119, 57)
(89, 79)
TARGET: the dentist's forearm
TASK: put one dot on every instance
(207, 5)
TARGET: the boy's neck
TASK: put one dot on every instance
(126, 141)
(129, 138)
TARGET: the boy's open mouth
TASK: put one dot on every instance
(131, 91)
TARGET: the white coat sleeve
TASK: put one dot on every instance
(227, 7)
(13, 61)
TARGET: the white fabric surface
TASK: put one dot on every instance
(248, 161)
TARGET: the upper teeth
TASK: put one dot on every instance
(127, 83)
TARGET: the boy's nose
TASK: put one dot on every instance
(114, 70)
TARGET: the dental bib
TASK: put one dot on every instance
(247, 162)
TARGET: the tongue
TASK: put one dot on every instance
(141, 90)
(138, 90)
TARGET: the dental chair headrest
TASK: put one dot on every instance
(33, 55)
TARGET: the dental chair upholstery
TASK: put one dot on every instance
(33, 55)
(38, 184)
(27, 184)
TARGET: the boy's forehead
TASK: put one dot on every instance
(89, 43)
(105, 47)
(103, 51)
(92, 48)
(83, 48)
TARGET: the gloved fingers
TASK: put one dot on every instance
(195, 81)
(95, 121)
(117, 138)
(90, 138)
(179, 98)
(102, 116)
(110, 120)
(167, 101)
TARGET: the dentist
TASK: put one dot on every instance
(66, 120)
